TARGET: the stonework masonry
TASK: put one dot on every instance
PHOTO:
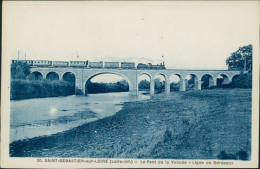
(132, 75)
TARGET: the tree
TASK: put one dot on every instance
(144, 84)
(158, 85)
(175, 86)
(241, 59)
(53, 76)
(20, 70)
(205, 82)
(123, 85)
(70, 77)
(243, 80)
(191, 81)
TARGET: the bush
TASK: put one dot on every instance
(224, 156)
(214, 87)
(121, 86)
(242, 155)
(243, 80)
(25, 85)
(25, 89)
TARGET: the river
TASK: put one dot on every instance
(45, 116)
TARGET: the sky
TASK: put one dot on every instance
(190, 35)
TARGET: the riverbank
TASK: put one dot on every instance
(208, 124)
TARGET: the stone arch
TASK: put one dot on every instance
(180, 85)
(207, 81)
(100, 73)
(166, 83)
(207, 74)
(194, 75)
(53, 75)
(177, 74)
(71, 80)
(232, 77)
(145, 73)
(138, 82)
(66, 73)
(197, 82)
(36, 75)
(164, 75)
(235, 80)
(226, 79)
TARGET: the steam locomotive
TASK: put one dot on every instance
(86, 64)
(150, 66)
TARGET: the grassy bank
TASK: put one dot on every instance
(208, 124)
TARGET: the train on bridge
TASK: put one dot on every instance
(90, 65)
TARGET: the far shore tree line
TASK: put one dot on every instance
(25, 85)
(121, 86)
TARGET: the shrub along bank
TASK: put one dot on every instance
(26, 89)
(243, 80)
(121, 86)
(25, 85)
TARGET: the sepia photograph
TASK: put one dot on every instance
(130, 84)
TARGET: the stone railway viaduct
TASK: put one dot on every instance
(132, 76)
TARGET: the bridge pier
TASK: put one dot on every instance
(133, 92)
(152, 86)
(44, 75)
(167, 86)
(79, 87)
(182, 85)
(197, 84)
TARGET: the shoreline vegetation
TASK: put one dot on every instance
(26, 89)
(207, 124)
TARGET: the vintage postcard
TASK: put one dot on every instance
(130, 84)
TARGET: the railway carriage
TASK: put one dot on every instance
(42, 63)
(60, 64)
(141, 66)
(29, 62)
(112, 65)
(95, 64)
(79, 64)
(127, 65)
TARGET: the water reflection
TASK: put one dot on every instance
(36, 117)
(53, 111)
